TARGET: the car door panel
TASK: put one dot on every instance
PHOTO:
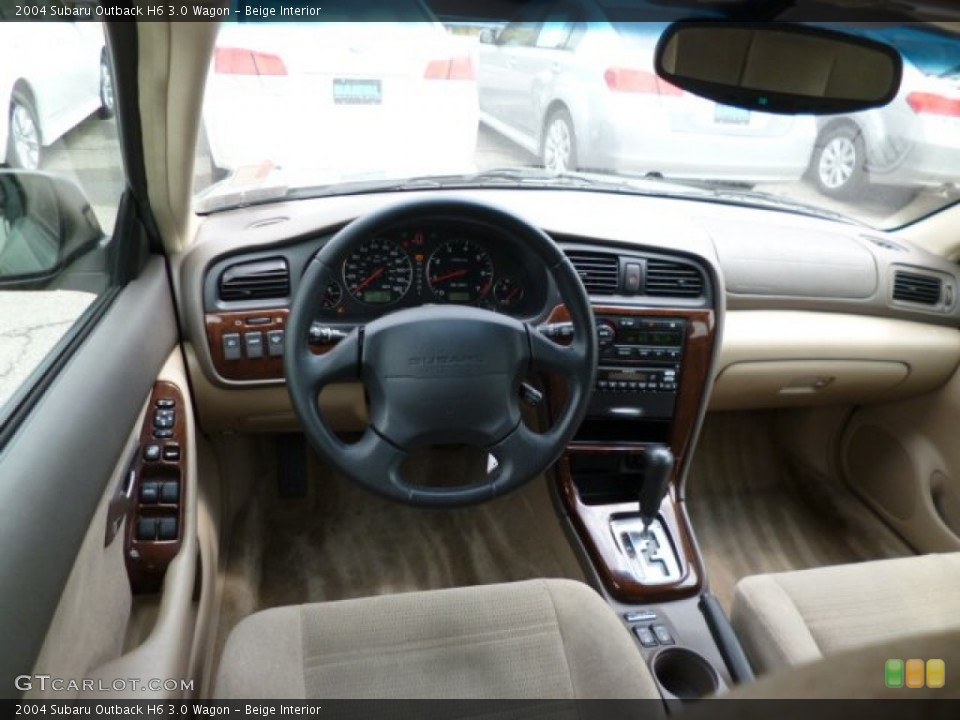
(64, 453)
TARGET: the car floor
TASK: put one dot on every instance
(755, 512)
(340, 542)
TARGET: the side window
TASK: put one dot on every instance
(60, 185)
(557, 28)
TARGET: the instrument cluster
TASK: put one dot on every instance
(443, 263)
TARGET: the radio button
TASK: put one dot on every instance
(628, 323)
(625, 352)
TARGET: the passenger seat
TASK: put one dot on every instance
(791, 618)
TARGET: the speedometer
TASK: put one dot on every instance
(460, 271)
(378, 272)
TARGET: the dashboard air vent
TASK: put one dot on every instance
(258, 280)
(600, 272)
(915, 288)
(670, 279)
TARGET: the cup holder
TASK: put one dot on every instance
(685, 674)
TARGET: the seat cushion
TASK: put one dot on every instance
(797, 617)
(536, 639)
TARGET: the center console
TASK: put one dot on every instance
(650, 392)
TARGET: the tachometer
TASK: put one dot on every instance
(460, 271)
(378, 272)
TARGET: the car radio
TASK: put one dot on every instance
(640, 364)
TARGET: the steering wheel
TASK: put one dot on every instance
(440, 374)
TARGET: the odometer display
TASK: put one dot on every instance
(460, 271)
(379, 272)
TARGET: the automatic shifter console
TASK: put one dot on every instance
(649, 551)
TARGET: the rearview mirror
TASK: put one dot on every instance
(45, 223)
(779, 67)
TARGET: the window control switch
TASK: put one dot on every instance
(147, 529)
(171, 453)
(167, 528)
(151, 453)
(170, 493)
(149, 493)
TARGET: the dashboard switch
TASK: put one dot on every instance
(171, 453)
(631, 278)
(231, 346)
(275, 343)
(253, 344)
(663, 635)
(645, 636)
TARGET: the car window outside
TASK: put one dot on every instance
(56, 91)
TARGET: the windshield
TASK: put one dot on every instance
(358, 102)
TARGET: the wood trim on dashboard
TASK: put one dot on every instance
(263, 321)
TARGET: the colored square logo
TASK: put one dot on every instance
(936, 673)
(915, 672)
(893, 673)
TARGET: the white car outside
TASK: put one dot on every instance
(45, 94)
(282, 96)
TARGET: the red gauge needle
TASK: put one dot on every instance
(449, 276)
(374, 276)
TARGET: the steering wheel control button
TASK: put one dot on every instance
(231, 346)
(149, 492)
(275, 343)
(170, 493)
(663, 635)
(171, 453)
(645, 636)
(167, 529)
(147, 529)
(151, 453)
(253, 344)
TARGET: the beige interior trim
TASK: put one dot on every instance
(166, 652)
(171, 99)
(937, 233)
(904, 459)
(786, 358)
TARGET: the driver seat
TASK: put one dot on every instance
(537, 639)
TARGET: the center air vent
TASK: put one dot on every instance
(670, 279)
(600, 272)
(916, 288)
(258, 280)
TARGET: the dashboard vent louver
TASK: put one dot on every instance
(600, 272)
(670, 279)
(915, 288)
(258, 280)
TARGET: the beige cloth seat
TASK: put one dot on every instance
(797, 617)
(536, 639)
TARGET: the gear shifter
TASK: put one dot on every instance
(656, 480)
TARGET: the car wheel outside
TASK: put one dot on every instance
(23, 138)
(838, 166)
(558, 150)
(107, 96)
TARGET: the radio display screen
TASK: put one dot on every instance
(649, 338)
(628, 376)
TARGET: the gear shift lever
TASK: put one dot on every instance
(656, 480)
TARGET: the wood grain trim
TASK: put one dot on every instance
(592, 523)
(697, 361)
(147, 561)
(265, 368)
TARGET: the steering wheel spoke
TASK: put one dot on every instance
(545, 354)
(341, 362)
